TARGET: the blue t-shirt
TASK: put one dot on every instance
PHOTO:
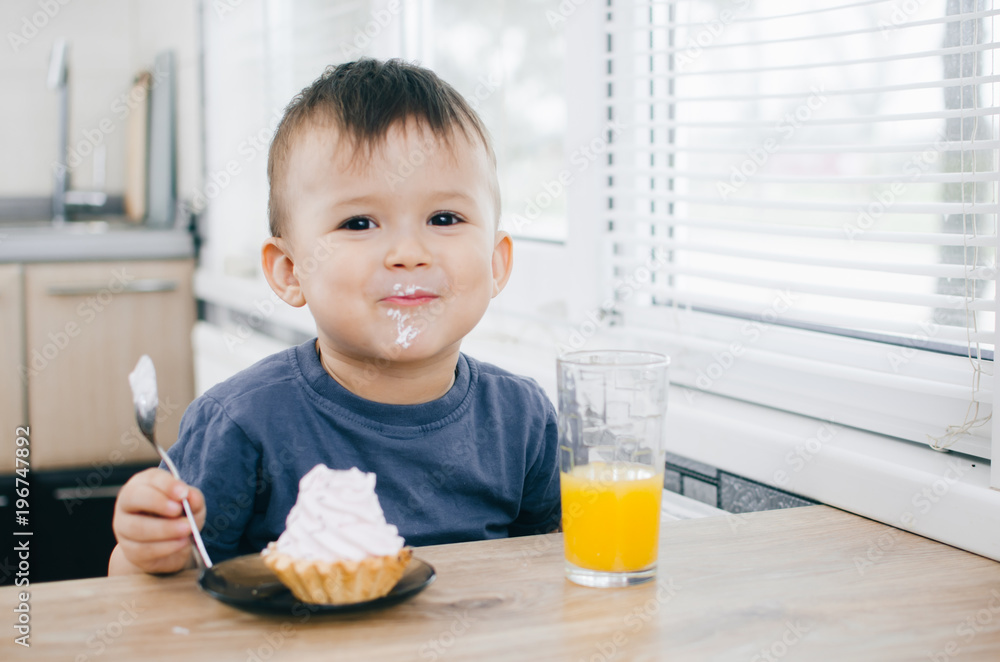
(479, 462)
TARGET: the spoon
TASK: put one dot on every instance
(143, 382)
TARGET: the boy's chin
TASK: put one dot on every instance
(417, 350)
(397, 351)
(413, 353)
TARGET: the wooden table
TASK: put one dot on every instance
(801, 584)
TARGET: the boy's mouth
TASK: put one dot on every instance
(409, 296)
(409, 300)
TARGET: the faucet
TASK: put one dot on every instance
(62, 195)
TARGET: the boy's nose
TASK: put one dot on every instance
(407, 252)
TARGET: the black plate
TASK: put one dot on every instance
(246, 582)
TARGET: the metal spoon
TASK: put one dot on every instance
(143, 382)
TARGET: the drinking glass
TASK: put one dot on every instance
(612, 410)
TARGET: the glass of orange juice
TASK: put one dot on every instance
(612, 410)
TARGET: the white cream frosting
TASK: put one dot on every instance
(143, 383)
(337, 517)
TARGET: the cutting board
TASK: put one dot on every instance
(137, 149)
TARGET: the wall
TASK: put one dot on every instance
(110, 40)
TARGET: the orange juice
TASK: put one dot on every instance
(611, 515)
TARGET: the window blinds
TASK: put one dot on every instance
(839, 157)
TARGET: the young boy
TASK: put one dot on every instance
(383, 211)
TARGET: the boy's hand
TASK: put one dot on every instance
(153, 532)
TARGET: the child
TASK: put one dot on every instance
(383, 213)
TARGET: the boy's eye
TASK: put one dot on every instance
(444, 218)
(357, 223)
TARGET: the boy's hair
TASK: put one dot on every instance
(364, 99)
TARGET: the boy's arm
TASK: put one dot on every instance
(153, 533)
(541, 506)
(215, 454)
(120, 565)
(211, 452)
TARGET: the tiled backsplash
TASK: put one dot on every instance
(724, 490)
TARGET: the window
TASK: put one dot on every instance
(257, 55)
(509, 61)
(803, 201)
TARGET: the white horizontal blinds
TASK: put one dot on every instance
(844, 152)
(840, 154)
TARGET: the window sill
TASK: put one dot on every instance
(943, 496)
(251, 297)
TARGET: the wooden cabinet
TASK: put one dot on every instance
(86, 325)
(12, 384)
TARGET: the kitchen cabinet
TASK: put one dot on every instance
(12, 410)
(86, 325)
(72, 536)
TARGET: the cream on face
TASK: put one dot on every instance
(405, 333)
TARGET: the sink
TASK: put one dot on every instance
(99, 238)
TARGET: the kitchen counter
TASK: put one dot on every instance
(810, 583)
(90, 241)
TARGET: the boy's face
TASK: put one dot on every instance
(398, 255)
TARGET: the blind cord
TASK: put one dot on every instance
(972, 419)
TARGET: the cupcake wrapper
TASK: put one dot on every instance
(338, 582)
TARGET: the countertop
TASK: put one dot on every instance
(809, 583)
(90, 241)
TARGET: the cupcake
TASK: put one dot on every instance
(337, 547)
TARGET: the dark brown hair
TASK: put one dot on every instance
(364, 99)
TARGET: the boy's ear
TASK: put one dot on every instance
(279, 270)
(503, 261)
